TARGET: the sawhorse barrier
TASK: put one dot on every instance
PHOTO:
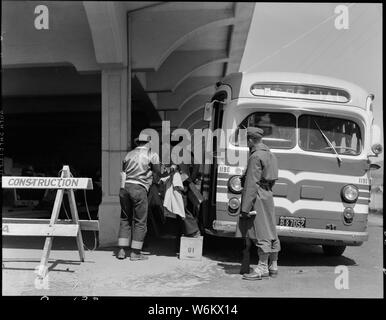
(53, 227)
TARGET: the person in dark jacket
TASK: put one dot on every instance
(257, 220)
(189, 174)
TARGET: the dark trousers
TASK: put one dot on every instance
(190, 224)
(133, 225)
(186, 226)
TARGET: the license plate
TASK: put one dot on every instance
(294, 222)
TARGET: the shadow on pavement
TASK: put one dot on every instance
(224, 250)
(52, 264)
(59, 243)
(158, 246)
(291, 254)
(231, 268)
(296, 255)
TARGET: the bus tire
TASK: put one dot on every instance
(333, 251)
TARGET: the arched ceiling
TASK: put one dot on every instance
(177, 50)
(197, 45)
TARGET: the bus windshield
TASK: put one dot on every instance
(279, 129)
(316, 133)
(343, 134)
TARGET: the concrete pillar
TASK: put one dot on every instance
(116, 129)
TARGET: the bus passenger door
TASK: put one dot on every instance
(217, 118)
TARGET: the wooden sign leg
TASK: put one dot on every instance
(75, 218)
(48, 243)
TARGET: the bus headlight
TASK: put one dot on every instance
(350, 193)
(234, 185)
(376, 148)
(233, 205)
(348, 215)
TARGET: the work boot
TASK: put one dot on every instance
(273, 272)
(134, 256)
(261, 271)
(121, 254)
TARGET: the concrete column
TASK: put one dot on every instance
(116, 129)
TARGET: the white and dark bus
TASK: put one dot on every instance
(323, 134)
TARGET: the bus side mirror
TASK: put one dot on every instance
(208, 111)
(369, 102)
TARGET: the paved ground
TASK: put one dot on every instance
(304, 270)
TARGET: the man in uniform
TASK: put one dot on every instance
(257, 220)
(138, 167)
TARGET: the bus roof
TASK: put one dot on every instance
(242, 82)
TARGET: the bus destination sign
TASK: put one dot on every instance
(295, 91)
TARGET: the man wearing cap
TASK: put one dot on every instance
(257, 220)
(138, 168)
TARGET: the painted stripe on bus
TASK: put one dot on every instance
(292, 207)
(361, 200)
(304, 175)
(360, 181)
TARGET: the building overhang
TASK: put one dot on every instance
(177, 50)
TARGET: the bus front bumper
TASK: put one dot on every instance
(304, 235)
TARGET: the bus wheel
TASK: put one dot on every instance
(333, 251)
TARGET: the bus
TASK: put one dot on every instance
(322, 132)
